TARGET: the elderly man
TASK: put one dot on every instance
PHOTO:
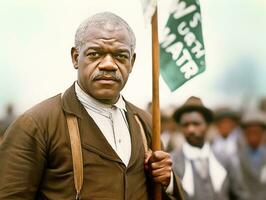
(40, 156)
(203, 176)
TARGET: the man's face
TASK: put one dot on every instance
(104, 62)
(225, 126)
(254, 135)
(194, 127)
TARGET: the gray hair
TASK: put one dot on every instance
(100, 20)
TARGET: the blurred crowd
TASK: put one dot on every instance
(8, 117)
(237, 139)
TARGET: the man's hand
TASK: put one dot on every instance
(159, 165)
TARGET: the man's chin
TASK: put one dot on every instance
(107, 98)
(196, 142)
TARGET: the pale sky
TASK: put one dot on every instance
(36, 37)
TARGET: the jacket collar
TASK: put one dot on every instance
(71, 104)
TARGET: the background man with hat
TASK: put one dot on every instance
(228, 139)
(253, 155)
(203, 176)
(35, 155)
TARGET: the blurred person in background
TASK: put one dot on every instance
(253, 155)
(2, 130)
(8, 119)
(170, 135)
(149, 107)
(262, 104)
(228, 138)
(262, 108)
(203, 176)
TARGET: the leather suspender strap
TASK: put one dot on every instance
(76, 150)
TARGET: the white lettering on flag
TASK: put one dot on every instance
(180, 9)
(175, 49)
(167, 38)
(189, 67)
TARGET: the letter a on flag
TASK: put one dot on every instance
(182, 53)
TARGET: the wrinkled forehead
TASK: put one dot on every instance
(108, 34)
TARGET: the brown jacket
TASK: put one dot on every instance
(36, 162)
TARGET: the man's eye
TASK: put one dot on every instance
(184, 124)
(197, 123)
(93, 54)
(121, 56)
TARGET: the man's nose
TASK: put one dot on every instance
(191, 128)
(107, 63)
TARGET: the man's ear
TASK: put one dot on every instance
(132, 61)
(74, 56)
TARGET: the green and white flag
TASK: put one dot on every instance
(149, 7)
(182, 53)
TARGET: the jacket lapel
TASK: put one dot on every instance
(92, 138)
(178, 163)
(137, 148)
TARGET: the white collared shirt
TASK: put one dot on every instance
(216, 171)
(109, 117)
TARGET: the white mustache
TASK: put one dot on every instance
(107, 75)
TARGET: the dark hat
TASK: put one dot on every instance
(191, 105)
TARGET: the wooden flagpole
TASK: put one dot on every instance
(156, 116)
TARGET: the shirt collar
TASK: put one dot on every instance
(95, 103)
(193, 153)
